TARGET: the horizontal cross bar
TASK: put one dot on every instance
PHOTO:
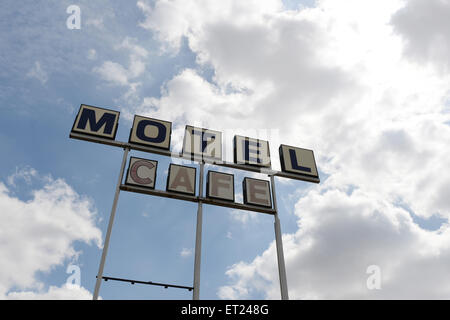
(211, 161)
(165, 285)
(180, 196)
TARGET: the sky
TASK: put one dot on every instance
(365, 84)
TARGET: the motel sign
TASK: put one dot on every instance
(202, 145)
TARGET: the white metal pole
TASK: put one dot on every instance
(110, 224)
(279, 245)
(198, 238)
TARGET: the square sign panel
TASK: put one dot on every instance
(202, 142)
(151, 132)
(142, 172)
(96, 121)
(257, 192)
(181, 179)
(220, 186)
(251, 151)
(298, 161)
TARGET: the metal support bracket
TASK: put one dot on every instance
(165, 285)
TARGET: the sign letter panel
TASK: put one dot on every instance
(220, 186)
(151, 132)
(257, 192)
(181, 179)
(202, 142)
(142, 172)
(251, 151)
(97, 122)
(298, 161)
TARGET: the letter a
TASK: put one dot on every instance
(182, 180)
(374, 280)
(75, 278)
(74, 20)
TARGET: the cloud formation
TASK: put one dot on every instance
(115, 73)
(37, 72)
(340, 235)
(65, 292)
(350, 80)
(425, 28)
(38, 234)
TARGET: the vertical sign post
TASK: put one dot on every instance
(279, 245)
(110, 224)
(198, 238)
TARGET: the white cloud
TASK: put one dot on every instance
(98, 16)
(425, 27)
(341, 235)
(113, 72)
(186, 252)
(92, 54)
(25, 173)
(65, 292)
(243, 217)
(137, 57)
(174, 19)
(39, 234)
(116, 74)
(37, 72)
(98, 23)
(338, 79)
(135, 49)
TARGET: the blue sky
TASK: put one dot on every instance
(354, 82)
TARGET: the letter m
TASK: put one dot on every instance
(96, 121)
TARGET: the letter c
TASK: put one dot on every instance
(134, 171)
